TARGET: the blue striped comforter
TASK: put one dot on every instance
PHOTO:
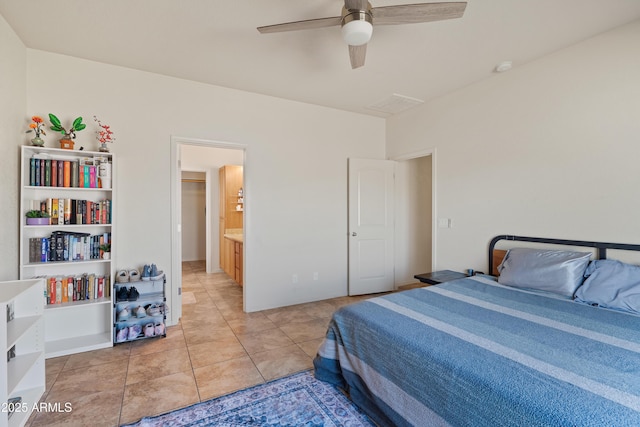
(473, 352)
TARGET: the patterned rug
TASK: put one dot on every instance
(297, 400)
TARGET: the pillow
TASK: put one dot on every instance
(560, 272)
(611, 284)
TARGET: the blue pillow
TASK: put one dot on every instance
(611, 284)
(560, 272)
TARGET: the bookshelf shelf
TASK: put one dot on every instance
(66, 253)
(22, 338)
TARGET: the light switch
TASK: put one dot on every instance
(444, 222)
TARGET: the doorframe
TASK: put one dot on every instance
(176, 216)
(434, 230)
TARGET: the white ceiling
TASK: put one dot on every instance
(216, 42)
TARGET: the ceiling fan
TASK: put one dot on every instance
(358, 18)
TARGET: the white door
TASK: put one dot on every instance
(371, 226)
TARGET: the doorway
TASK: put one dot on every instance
(205, 157)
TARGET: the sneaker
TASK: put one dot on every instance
(123, 276)
(140, 312)
(122, 294)
(146, 272)
(134, 275)
(134, 331)
(133, 294)
(153, 310)
(155, 273)
(124, 314)
(159, 329)
(122, 335)
(149, 330)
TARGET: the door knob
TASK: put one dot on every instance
(354, 234)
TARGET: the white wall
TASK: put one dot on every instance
(193, 216)
(295, 179)
(14, 121)
(413, 219)
(548, 149)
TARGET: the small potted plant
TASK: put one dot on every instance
(104, 135)
(36, 217)
(106, 250)
(36, 127)
(66, 141)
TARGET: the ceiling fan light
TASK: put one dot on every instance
(357, 32)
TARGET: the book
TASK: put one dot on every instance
(93, 178)
(36, 172)
(54, 173)
(58, 290)
(32, 171)
(42, 162)
(54, 211)
(67, 211)
(67, 173)
(47, 173)
(52, 290)
(60, 173)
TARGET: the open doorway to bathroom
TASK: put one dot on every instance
(195, 187)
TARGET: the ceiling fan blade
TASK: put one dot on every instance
(308, 24)
(416, 13)
(356, 55)
(356, 4)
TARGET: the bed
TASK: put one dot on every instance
(476, 351)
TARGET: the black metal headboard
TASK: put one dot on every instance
(600, 246)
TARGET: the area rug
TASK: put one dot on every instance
(296, 400)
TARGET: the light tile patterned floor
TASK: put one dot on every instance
(216, 349)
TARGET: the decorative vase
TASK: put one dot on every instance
(38, 221)
(66, 142)
(106, 255)
(37, 141)
(103, 147)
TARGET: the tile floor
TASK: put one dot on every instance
(216, 349)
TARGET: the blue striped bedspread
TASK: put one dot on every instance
(473, 352)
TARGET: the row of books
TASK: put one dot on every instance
(61, 289)
(63, 173)
(74, 211)
(67, 246)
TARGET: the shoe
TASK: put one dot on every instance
(122, 335)
(134, 276)
(149, 330)
(134, 331)
(146, 272)
(123, 276)
(122, 294)
(140, 312)
(155, 273)
(133, 294)
(159, 329)
(124, 314)
(153, 310)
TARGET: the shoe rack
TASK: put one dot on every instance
(139, 310)
(73, 324)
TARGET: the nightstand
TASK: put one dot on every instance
(441, 276)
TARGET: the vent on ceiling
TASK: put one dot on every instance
(395, 104)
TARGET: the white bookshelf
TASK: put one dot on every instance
(75, 326)
(22, 376)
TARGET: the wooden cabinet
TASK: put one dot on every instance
(238, 262)
(22, 374)
(230, 178)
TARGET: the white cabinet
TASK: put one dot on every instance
(66, 253)
(22, 372)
